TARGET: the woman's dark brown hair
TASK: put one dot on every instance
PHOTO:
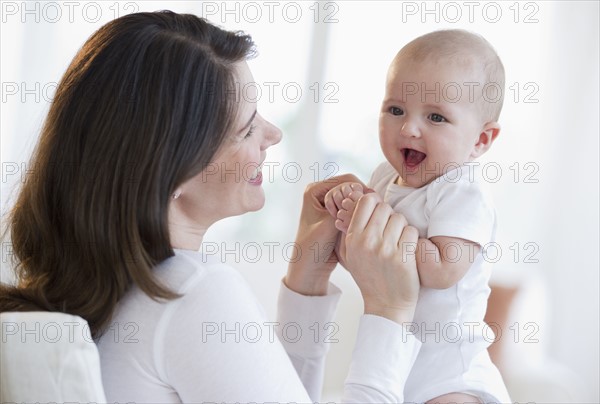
(143, 107)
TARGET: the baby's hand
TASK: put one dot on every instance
(335, 196)
(341, 201)
(344, 214)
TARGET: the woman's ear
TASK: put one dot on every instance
(488, 134)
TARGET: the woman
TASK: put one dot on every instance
(110, 225)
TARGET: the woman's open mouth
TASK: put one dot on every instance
(256, 178)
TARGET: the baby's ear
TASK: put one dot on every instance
(488, 134)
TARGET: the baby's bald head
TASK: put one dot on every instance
(467, 50)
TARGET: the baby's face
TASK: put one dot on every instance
(429, 121)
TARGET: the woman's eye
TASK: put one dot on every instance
(396, 111)
(437, 118)
(250, 132)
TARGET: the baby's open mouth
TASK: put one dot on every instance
(412, 158)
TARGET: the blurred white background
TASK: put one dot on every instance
(337, 55)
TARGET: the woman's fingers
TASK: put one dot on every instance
(340, 249)
(410, 274)
(379, 220)
(381, 259)
(393, 230)
(362, 214)
(409, 235)
(408, 242)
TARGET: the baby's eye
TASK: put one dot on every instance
(396, 111)
(437, 118)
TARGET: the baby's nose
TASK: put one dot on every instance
(409, 129)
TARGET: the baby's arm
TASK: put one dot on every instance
(443, 261)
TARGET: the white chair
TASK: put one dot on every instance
(48, 357)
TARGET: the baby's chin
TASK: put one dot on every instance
(417, 179)
(409, 180)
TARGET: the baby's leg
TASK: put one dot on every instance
(455, 398)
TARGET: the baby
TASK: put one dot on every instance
(442, 102)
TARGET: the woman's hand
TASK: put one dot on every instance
(316, 239)
(380, 254)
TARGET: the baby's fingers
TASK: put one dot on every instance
(350, 201)
(343, 220)
(331, 199)
(351, 187)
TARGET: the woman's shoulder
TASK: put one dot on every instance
(203, 279)
(206, 282)
(211, 293)
(188, 268)
(208, 290)
(199, 280)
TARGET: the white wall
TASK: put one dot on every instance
(554, 60)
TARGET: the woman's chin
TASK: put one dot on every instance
(259, 205)
(257, 202)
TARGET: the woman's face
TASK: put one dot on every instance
(232, 183)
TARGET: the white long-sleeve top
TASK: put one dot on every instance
(215, 344)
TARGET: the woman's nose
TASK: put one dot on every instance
(272, 135)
